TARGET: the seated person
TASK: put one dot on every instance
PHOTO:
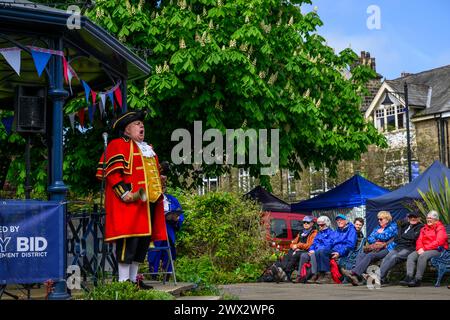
(300, 244)
(432, 240)
(320, 248)
(359, 224)
(404, 243)
(344, 240)
(377, 248)
(174, 221)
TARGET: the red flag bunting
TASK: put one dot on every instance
(94, 96)
(118, 95)
(65, 69)
(81, 116)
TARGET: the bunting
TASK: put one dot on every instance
(41, 58)
(12, 56)
(87, 90)
(7, 123)
(81, 117)
(118, 95)
(91, 111)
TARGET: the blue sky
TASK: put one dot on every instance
(414, 34)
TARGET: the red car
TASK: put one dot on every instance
(282, 227)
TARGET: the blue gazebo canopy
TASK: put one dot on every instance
(395, 201)
(352, 193)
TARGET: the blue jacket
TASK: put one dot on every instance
(388, 233)
(172, 227)
(323, 240)
(154, 257)
(344, 240)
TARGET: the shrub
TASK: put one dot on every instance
(125, 291)
(435, 200)
(222, 239)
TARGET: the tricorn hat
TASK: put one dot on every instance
(125, 119)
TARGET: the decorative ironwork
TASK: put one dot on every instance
(86, 246)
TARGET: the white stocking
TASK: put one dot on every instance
(134, 271)
(124, 271)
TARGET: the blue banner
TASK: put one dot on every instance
(31, 241)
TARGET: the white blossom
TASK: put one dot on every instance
(182, 44)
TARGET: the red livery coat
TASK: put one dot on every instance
(124, 163)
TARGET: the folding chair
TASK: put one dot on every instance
(170, 261)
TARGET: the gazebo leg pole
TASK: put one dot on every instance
(57, 188)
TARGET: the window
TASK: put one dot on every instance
(245, 181)
(391, 118)
(401, 117)
(296, 227)
(291, 184)
(379, 114)
(209, 185)
(278, 228)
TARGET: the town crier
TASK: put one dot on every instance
(133, 195)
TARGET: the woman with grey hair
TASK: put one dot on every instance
(323, 241)
(432, 240)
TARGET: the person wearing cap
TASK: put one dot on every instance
(343, 241)
(432, 241)
(320, 250)
(298, 247)
(133, 195)
(378, 241)
(345, 237)
(404, 243)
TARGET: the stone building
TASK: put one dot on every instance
(429, 111)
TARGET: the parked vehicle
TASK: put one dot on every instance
(282, 228)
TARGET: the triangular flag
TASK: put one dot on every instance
(70, 76)
(87, 90)
(94, 96)
(118, 95)
(111, 97)
(101, 108)
(91, 113)
(102, 103)
(65, 69)
(72, 120)
(7, 123)
(13, 58)
(81, 117)
(40, 60)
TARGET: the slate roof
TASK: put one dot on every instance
(418, 89)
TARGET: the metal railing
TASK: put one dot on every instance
(86, 247)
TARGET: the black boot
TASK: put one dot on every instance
(405, 282)
(142, 286)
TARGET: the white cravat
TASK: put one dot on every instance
(147, 151)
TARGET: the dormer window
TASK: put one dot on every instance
(390, 119)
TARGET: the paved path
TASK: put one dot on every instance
(291, 291)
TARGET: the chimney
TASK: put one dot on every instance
(366, 60)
